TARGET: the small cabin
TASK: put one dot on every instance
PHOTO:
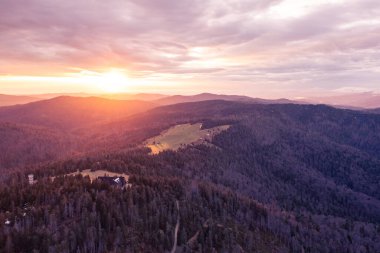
(7, 222)
(114, 181)
(31, 179)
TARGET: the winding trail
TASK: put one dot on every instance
(176, 230)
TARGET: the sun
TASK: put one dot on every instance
(110, 81)
(113, 81)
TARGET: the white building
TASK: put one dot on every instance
(31, 179)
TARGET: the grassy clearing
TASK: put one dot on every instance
(98, 173)
(182, 135)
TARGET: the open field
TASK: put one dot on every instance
(182, 135)
(98, 173)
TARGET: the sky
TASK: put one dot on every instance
(261, 48)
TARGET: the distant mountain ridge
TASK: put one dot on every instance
(138, 96)
(8, 100)
(176, 99)
(117, 96)
(72, 112)
(355, 101)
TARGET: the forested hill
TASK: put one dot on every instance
(83, 128)
(375, 110)
(66, 113)
(282, 178)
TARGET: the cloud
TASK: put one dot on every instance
(283, 42)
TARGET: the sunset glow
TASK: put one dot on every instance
(113, 81)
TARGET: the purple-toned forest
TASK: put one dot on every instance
(282, 178)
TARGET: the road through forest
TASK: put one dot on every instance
(176, 230)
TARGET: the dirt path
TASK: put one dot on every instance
(176, 230)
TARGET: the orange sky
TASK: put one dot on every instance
(261, 48)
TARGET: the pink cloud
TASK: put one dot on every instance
(156, 36)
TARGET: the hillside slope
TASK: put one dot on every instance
(318, 144)
(21, 145)
(68, 113)
(59, 127)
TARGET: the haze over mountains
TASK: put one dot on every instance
(365, 100)
(354, 100)
(7, 100)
